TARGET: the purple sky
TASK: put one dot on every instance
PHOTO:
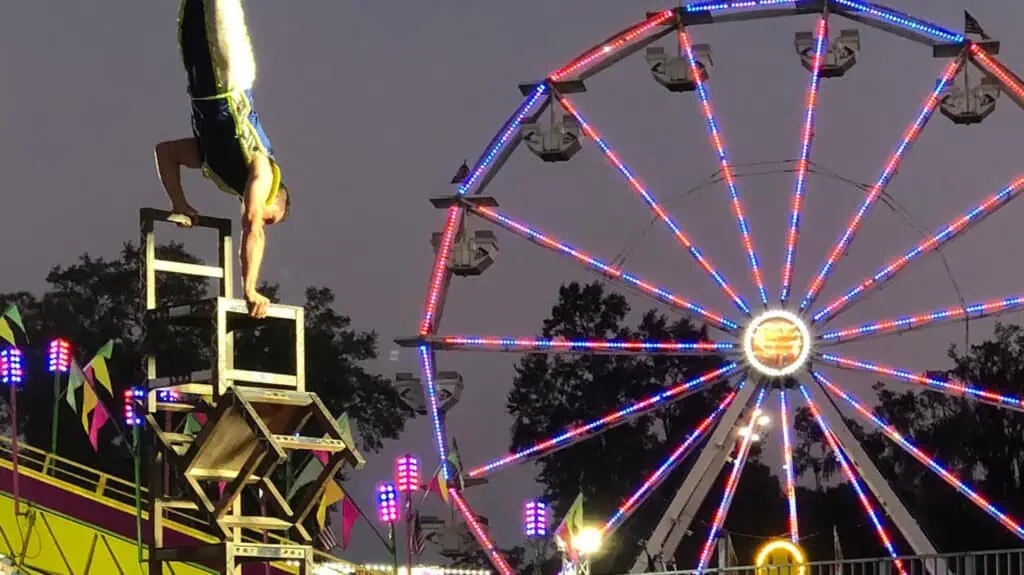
(371, 108)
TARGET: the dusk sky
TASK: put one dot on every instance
(371, 107)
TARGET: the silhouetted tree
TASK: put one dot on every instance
(96, 300)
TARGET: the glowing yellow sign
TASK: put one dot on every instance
(780, 557)
(777, 343)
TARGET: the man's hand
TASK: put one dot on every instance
(257, 304)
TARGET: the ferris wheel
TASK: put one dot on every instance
(775, 343)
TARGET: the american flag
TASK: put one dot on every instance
(327, 539)
(417, 539)
(971, 26)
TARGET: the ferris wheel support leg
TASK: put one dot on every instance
(887, 498)
(676, 520)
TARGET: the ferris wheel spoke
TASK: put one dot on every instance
(885, 427)
(578, 433)
(680, 453)
(427, 364)
(928, 319)
(851, 476)
(723, 159)
(658, 293)
(806, 141)
(486, 543)
(888, 172)
(1013, 84)
(955, 228)
(951, 388)
(574, 346)
(733, 481)
(787, 463)
(653, 204)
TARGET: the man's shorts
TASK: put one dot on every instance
(228, 134)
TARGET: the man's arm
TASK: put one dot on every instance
(257, 191)
(171, 156)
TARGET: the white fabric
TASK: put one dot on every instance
(230, 47)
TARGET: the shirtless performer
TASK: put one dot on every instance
(228, 143)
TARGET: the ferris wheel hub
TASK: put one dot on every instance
(777, 343)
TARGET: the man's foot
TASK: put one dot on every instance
(184, 216)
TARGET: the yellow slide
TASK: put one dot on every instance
(74, 520)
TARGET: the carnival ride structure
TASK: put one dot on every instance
(780, 341)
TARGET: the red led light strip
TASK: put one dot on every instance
(953, 388)
(806, 141)
(727, 174)
(604, 269)
(907, 323)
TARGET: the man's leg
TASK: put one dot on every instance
(171, 156)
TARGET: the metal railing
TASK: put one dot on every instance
(996, 562)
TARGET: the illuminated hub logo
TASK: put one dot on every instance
(780, 557)
(777, 343)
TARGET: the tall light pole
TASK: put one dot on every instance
(12, 374)
(133, 399)
(535, 528)
(58, 361)
(387, 511)
(407, 476)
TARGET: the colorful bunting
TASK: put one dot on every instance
(11, 316)
(570, 527)
(192, 425)
(76, 379)
(349, 516)
(99, 419)
(308, 474)
(89, 402)
(332, 495)
(346, 430)
(316, 463)
(98, 365)
(6, 333)
(14, 316)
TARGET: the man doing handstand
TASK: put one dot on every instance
(228, 143)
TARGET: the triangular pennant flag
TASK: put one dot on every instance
(332, 495)
(192, 426)
(322, 457)
(14, 315)
(99, 419)
(89, 403)
(76, 379)
(346, 430)
(571, 526)
(349, 516)
(306, 476)
(441, 484)
(201, 418)
(5, 332)
(456, 463)
(99, 365)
